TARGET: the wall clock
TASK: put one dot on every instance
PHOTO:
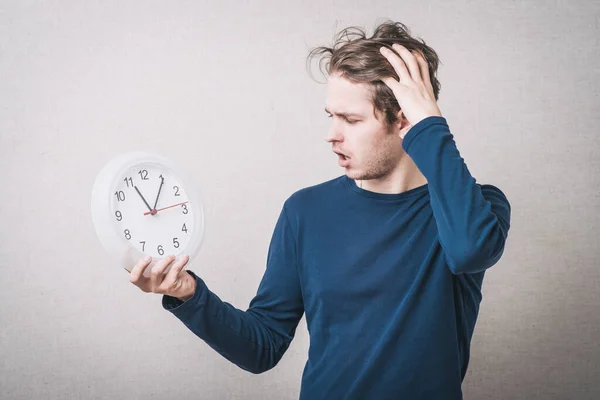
(143, 204)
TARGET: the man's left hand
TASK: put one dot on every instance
(414, 91)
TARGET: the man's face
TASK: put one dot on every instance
(371, 150)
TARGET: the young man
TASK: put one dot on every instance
(387, 260)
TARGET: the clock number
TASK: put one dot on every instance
(183, 228)
(120, 195)
(160, 250)
(175, 243)
(127, 234)
(119, 215)
(144, 174)
(143, 245)
(128, 180)
(185, 210)
(176, 190)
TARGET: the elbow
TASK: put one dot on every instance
(255, 370)
(267, 360)
(463, 263)
(475, 250)
(260, 368)
(474, 259)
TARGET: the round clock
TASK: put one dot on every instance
(143, 205)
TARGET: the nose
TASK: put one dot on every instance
(334, 134)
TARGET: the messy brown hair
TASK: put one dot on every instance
(357, 58)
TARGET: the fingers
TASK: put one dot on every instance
(173, 279)
(137, 272)
(424, 70)
(418, 69)
(163, 280)
(410, 61)
(158, 272)
(397, 63)
(397, 88)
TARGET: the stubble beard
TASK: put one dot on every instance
(379, 166)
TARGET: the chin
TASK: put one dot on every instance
(365, 175)
(354, 174)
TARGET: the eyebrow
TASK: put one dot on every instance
(343, 114)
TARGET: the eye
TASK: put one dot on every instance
(351, 122)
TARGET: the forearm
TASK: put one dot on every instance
(472, 229)
(239, 336)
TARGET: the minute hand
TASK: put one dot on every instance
(162, 181)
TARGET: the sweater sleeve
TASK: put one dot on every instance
(473, 220)
(254, 339)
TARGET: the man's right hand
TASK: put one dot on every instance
(176, 282)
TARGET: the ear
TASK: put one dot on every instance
(402, 125)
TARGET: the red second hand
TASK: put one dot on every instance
(164, 208)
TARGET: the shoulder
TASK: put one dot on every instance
(314, 195)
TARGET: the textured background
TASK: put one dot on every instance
(221, 87)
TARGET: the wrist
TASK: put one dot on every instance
(189, 286)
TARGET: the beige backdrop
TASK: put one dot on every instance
(221, 87)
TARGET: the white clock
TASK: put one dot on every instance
(142, 204)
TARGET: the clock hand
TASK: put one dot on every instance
(164, 208)
(145, 202)
(162, 181)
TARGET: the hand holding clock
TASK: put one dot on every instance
(176, 282)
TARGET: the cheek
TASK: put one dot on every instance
(367, 142)
(378, 149)
(367, 152)
(361, 146)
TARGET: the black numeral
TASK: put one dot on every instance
(160, 250)
(176, 190)
(128, 180)
(175, 243)
(120, 195)
(118, 215)
(144, 174)
(185, 210)
(143, 245)
(127, 234)
(183, 228)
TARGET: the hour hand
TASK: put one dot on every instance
(145, 202)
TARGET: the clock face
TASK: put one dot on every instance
(150, 210)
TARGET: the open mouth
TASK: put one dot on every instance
(342, 156)
(343, 160)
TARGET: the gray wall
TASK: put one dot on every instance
(221, 87)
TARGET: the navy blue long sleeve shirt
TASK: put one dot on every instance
(390, 283)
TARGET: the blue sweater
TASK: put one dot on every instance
(390, 283)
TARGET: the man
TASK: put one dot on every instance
(387, 260)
